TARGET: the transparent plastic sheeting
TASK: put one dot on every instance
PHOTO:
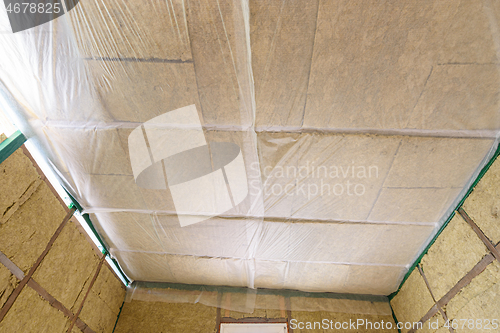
(310, 145)
(253, 301)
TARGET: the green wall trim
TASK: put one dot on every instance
(118, 317)
(11, 144)
(242, 290)
(395, 319)
(105, 251)
(459, 205)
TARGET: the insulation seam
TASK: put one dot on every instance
(118, 317)
(480, 234)
(462, 283)
(438, 306)
(94, 278)
(18, 273)
(445, 224)
(97, 210)
(263, 259)
(454, 134)
(12, 298)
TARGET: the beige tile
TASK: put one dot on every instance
(144, 266)
(368, 66)
(309, 276)
(128, 231)
(282, 37)
(304, 276)
(163, 233)
(270, 274)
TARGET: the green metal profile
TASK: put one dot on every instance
(9, 146)
(87, 219)
(262, 291)
(395, 319)
(461, 202)
(118, 317)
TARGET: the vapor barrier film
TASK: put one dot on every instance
(302, 145)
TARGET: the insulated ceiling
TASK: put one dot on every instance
(349, 130)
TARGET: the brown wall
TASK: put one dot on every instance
(460, 270)
(55, 277)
